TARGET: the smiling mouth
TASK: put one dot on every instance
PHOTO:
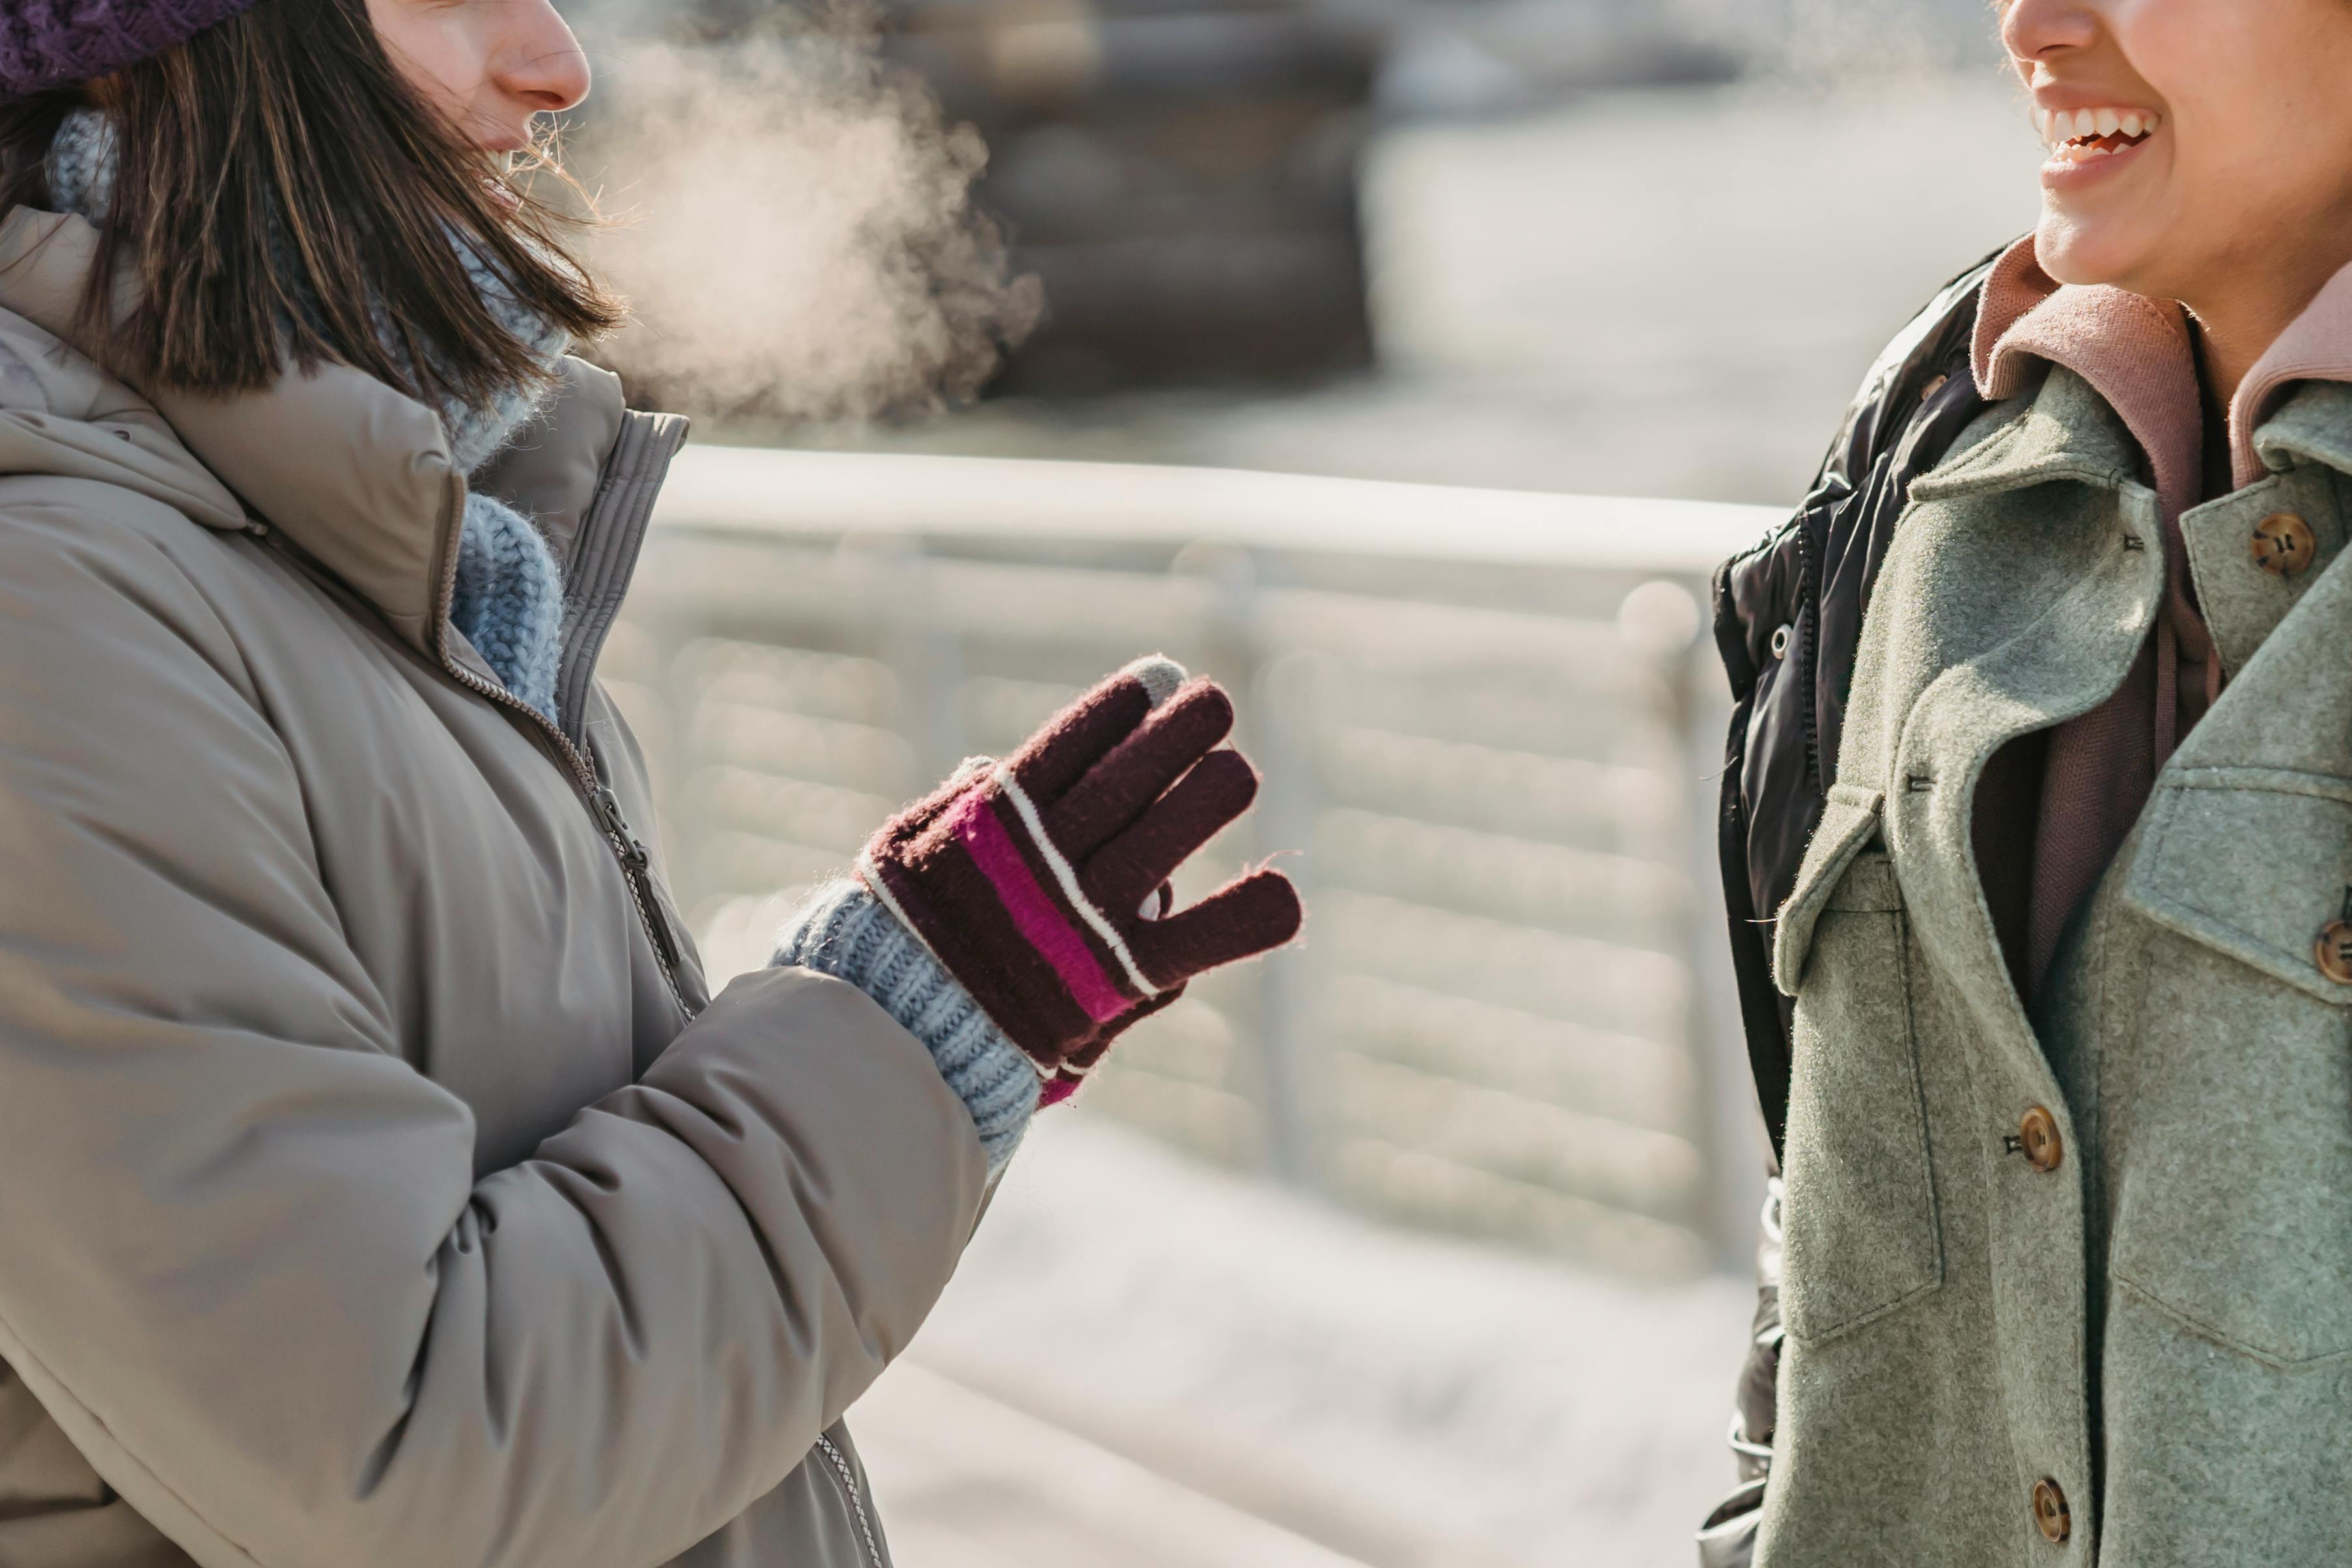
(2081, 135)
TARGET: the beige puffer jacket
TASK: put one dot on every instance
(366, 1195)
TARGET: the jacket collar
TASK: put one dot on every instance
(2312, 425)
(2065, 430)
(2138, 351)
(2315, 350)
(354, 473)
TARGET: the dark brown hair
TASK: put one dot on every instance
(282, 194)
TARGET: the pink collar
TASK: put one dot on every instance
(2137, 352)
(2315, 346)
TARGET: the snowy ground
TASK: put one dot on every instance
(1241, 1375)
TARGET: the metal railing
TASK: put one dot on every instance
(1487, 722)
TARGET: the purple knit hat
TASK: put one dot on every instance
(50, 43)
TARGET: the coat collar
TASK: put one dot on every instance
(2062, 429)
(2312, 425)
(2065, 429)
(2138, 351)
(354, 473)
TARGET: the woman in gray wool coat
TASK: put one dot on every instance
(379, 1182)
(2066, 1097)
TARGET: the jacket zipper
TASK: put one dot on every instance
(637, 864)
(848, 1478)
(1809, 620)
(604, 805)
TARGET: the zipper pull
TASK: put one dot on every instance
(637, 864)
(656, 923)
(607, 806)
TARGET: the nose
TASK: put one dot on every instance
(543, 66)
(2034, 30)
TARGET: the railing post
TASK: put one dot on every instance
(1663, 619)
(1235, 644)
(925, 657)
(1735, 1145)
(1283, 695)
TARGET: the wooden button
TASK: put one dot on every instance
(2038, 1140)
(2284, 544)
(2049, 1511)
(2333, 952)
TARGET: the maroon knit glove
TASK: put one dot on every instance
(1030, 880)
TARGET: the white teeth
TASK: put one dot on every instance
(2075, 130)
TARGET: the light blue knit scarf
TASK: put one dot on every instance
(509, 593)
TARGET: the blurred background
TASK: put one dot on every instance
(1407, 364)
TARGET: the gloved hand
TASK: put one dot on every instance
(1040, 883)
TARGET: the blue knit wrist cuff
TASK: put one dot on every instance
(845, 932)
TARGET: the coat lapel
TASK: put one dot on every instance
(2019, 589)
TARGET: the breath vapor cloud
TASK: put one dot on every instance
(794, 226)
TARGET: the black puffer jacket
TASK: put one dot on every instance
(1788, 620)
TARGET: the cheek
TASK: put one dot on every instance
(2265, 125)
(436, 47)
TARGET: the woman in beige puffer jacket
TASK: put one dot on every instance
(379, 1182)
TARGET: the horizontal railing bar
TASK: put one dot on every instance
(782, 493)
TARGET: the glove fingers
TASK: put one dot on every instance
(1171, 831)
(1079, 736)
(1138, 769)
(1254, 914)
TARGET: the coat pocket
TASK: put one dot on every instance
(1860, 1209)
(2234, 1207)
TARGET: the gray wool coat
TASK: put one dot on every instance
(2136, 1349)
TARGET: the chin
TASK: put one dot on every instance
(2075, 250)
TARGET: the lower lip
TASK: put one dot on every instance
(2064, 173)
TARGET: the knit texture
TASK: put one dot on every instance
(1039, 881)
(845, 932)
(509, 600)
(50, 43)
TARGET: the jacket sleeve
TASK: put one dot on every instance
(245, 1260)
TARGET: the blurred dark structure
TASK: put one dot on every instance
(1181, 173)
(1182, 176)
